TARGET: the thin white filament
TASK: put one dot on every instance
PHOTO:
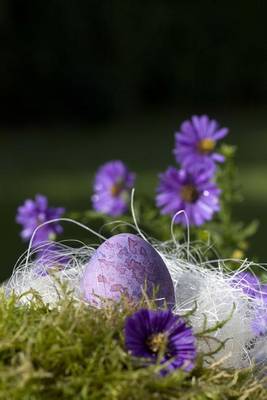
(134, 216)
(187, 230)
(59, 220)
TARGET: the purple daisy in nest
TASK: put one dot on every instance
(253, 288)
(112, 186)
(49, 257)
(34, 213)
(259, 324)
(263, 293)
(196, 141)
(248, 283)
(193, 192)
(161, 336)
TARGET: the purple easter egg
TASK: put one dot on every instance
(126, 264)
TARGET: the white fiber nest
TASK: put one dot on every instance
(201, 285)
(217, 297)
(46, 269)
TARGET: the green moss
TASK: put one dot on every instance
(77, 352)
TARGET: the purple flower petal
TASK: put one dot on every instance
(48, 257)
(112, 186)
(247, 282)
(259, 324)
(218, 157)
(147, 332)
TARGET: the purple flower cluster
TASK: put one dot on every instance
(192, 189)
(112, 186)
(160, 336)
(34, 213)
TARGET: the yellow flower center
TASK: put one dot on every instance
(189, 193)
(116, 189)
(156, 342)
(206, 146)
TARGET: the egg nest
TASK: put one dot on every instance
(75, 351)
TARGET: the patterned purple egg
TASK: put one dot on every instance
(126, 264)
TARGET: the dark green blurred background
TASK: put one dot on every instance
(88, 81)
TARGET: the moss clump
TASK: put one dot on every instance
(77, 352)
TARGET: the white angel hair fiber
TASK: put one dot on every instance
(196, 282)
(46, 268)
(217, 298)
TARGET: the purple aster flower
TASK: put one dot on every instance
(112, 186)
(35, 212)
(248, 283)
(161, 336)
(192, 192)
(195, 143)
